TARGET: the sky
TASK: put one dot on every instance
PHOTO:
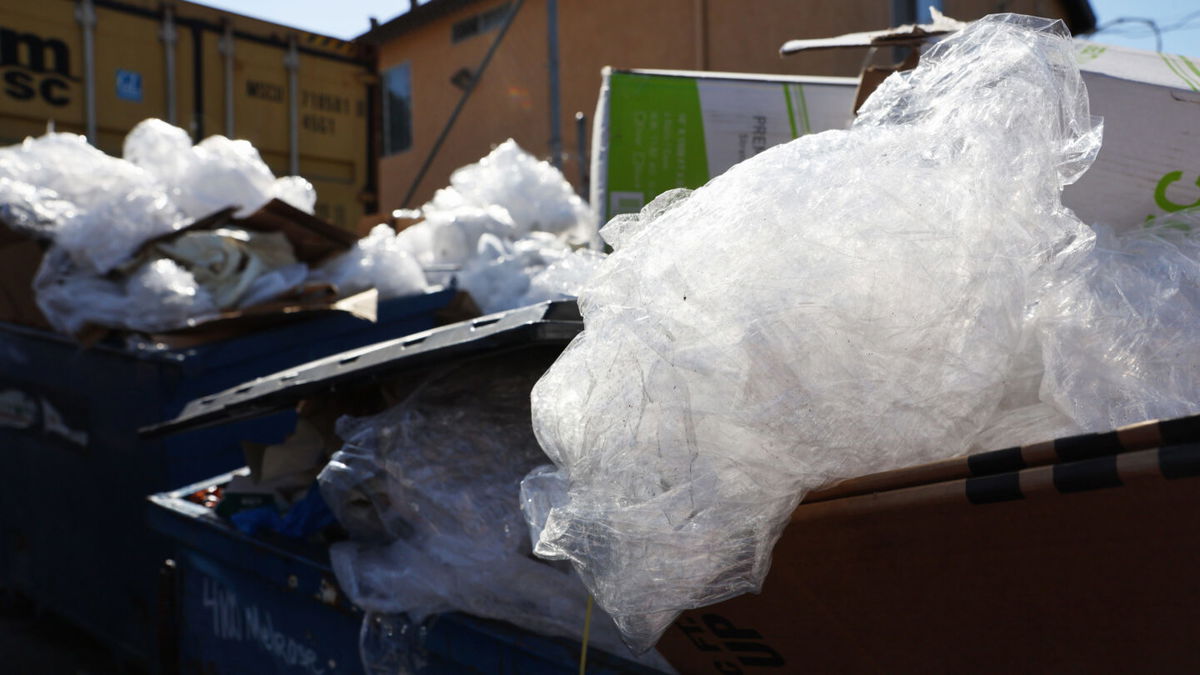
(346, 19)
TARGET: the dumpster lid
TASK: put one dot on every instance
(548, 323)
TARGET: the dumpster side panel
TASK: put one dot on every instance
(231, 622)
(73, 527)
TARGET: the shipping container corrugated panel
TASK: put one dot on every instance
(206, 70)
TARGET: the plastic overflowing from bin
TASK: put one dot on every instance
(427, 490)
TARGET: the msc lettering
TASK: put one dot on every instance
(35, 67)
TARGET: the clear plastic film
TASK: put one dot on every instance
(213, 174)
(849, 302)
(428, 491)
(534, 193)
(1120, 336)
(380, 260)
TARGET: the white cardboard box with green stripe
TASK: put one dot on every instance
(1149, 163)
(656, 130)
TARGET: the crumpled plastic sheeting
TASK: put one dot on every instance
(509, 274)
(533, 192)
(33, 210)
(503, 231)
(379, 260)
(75, 170)
(104, 236)
(451, 237)
(158, 296)
(1121, 338)
(213, 174)
(115, 206)
(865, 314)
(229, 261)
(428, 492)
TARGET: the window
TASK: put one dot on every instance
(480, 23)
(397, 109)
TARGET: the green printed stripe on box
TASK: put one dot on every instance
(1179, 71)
(787, 96)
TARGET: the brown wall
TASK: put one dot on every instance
(512, 98)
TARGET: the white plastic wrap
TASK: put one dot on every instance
(115, 206)
(534, 193)
(32, 210)
(159, 296)
(380, 260)
(451, 237)
(509, 274)
(429, 493)
(213, 174)
(105, 235)
(76, 171)
(846, 303)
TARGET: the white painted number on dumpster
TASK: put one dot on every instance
(235, 621)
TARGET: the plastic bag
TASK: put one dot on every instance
(849, 302)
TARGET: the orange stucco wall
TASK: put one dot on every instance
(511, 99)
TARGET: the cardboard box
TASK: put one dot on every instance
(1150, 161)
(20, 257)
(1072, 556)
(655, 130)
(1149, 164)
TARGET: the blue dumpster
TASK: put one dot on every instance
(72, 510)
(270, 604)
(251, 604)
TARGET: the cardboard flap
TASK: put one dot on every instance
(312, 239)
(912, 34)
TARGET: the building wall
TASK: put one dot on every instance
(511, 99)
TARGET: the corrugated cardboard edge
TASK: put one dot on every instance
(1134, 437)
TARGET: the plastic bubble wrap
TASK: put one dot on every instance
(849, 302)
(428, 490)
(534, 193)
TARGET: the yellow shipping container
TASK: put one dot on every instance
(98, 67)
